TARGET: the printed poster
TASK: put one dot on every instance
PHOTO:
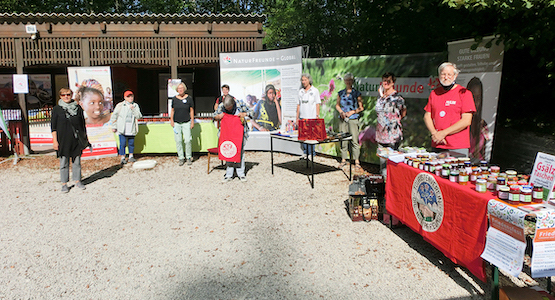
(267, 81)
(92, 89)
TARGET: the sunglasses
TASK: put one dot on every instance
(65, 95)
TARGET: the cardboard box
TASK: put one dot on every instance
(523, 293)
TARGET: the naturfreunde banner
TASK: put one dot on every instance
(481, 73)
(416, 78)
(248, 75)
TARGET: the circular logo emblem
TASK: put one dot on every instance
(427, 202)
(442, 113)
(228, 149)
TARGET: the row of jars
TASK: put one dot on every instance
(508, 186)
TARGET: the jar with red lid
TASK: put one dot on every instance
(537, 194)
(437, 169)
(514, 194)
(526, 194)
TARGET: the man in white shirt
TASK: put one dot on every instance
(308, 105)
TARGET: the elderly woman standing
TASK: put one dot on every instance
(69, 137)
(349, 106)
(124, 122)
(182, 119)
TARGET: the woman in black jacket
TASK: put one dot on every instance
(69, 137)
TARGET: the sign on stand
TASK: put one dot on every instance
(543, 173)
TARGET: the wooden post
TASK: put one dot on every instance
(24, 134)
(173, 58)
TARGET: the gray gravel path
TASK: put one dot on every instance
(179, 233)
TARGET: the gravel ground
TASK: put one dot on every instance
(178, 233)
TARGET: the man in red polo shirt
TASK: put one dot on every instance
(449, 113)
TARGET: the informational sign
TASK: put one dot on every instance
(543, 257)
(505, 243)
(543, 172)
(480, 67)
(252, 76)
(20, 84)
(92, 89)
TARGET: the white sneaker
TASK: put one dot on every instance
(243, 179)
(227, 179)
(304, 156)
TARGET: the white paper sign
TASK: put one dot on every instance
(504, 252)
(543, 264)
(20, 84)
(543, 173)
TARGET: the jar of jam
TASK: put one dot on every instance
(537, 194)
(511, 175)
(445, 171)
(485, 171)
(514, 194)
(427, 166)
(500, 182)
(468, 167)
(421, 165)
(454, 175)
(484, 163)
(491, 184)
(522, 182)
(463, 176)
(474, 175)
(437, 169)
(494, 170)
(526, 194)
(415, 163)
(504, 175)
(481, 186)
(503, 193)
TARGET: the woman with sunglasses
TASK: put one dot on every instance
(69, 137)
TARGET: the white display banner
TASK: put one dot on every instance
(20, 84)
(543, 257)
(481, 74)
(250, 74)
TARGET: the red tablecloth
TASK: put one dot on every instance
(462, 233)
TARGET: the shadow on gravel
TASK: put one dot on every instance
(299, 166)
(222, 166)
(417, 242)
(106, 173)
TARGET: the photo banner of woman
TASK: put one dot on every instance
(92, 90)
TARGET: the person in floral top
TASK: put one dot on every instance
(390, 110)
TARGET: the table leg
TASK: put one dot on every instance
(495, 283)
(272, 152)
(350, 161)
(312, 165)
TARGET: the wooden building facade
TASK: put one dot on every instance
(138, 47)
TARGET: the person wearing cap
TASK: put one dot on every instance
(124, 122)
(182, 119)
(267, 112)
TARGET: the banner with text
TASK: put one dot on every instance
(480, 66)
(267, 81)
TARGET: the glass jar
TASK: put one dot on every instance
(468, 167)
(445, 171)
(427, 166)
(494, 170)
(474, 175)
(463, 176)
(492, 183)
(481, 185)
(454, 175)
(537, 194)
(514, 194)
(526, 194)
(500, 182)
(503, 192)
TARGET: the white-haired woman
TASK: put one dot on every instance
(182, 119)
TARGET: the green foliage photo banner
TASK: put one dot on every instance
(416, 77)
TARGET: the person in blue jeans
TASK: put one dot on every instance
(125, 122)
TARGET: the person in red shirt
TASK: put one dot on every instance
(449, 113)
